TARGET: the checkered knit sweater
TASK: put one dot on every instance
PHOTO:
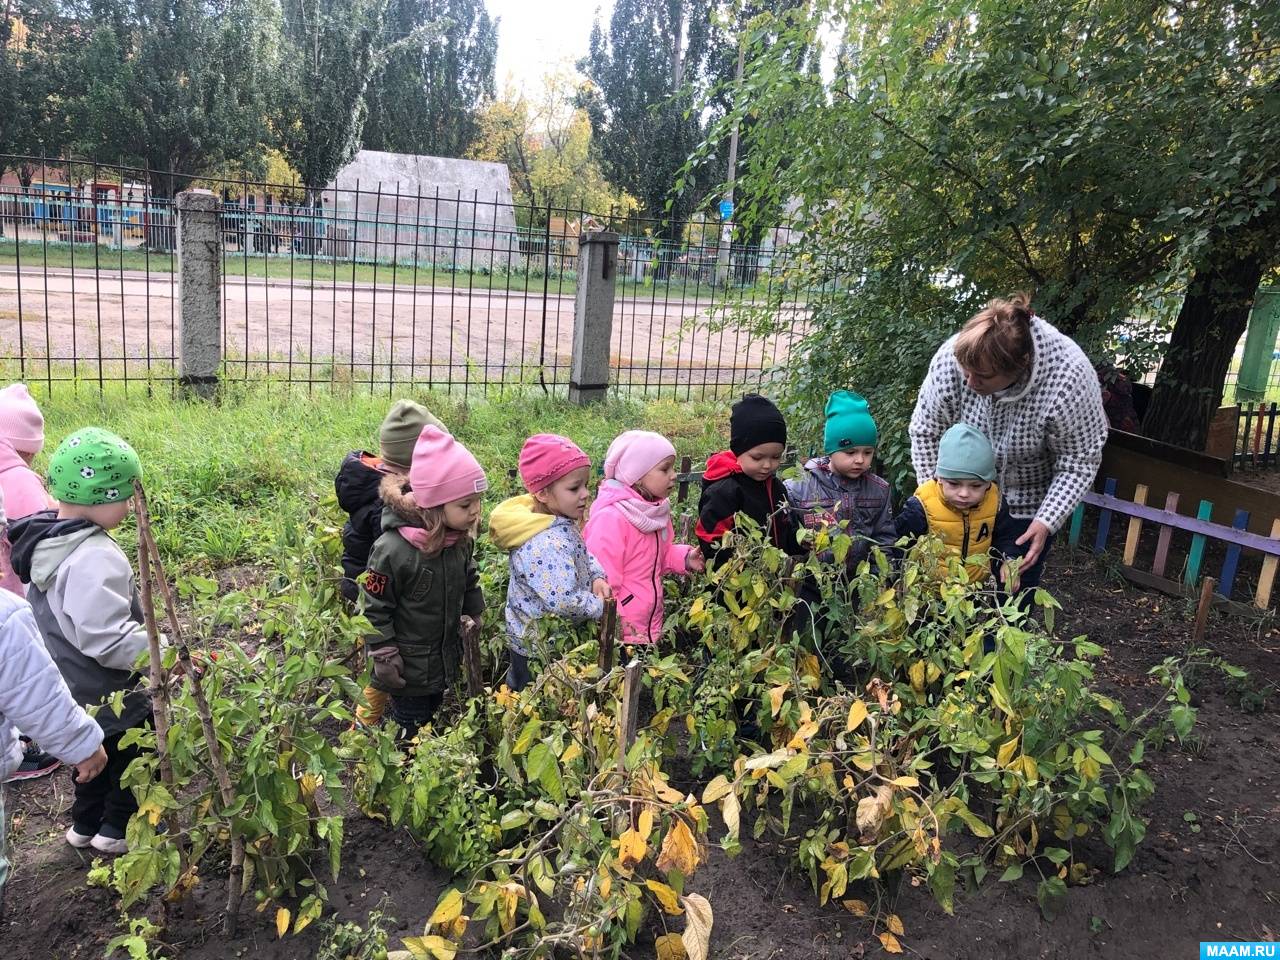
(1047, 430)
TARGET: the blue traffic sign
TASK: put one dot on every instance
(726, 209)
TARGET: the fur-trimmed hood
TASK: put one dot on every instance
(399, 509)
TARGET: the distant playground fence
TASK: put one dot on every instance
(379, 287)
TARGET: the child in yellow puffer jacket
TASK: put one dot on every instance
(961, 505)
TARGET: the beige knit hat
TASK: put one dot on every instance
(400, 431)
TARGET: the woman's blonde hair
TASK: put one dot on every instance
(997, 339)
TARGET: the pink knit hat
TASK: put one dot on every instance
(635, 453)
(546, 457)
(21, 422)
(443, 469)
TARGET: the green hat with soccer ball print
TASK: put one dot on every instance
(92, 467)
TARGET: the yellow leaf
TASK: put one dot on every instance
(1032, 772)
(679, 850)
(670, 947)
(803, 735)
(432, 946)
(890, 943)
(667, 897)
(905, 782)
(809, 667)
(447, 910)
(152, 811)
(457, 929)
(509, 900)
(857, 713)
(872, 810)
(697, 926)
(308, 784)
(769, 761)
(894, 923)
(572, 752)
(283, 916)
(858, 908)
(916, 673)
(645, 826)
(1006, 752)
(632, 849)
(886, 598)
(776, 696)
(730, 812)
(716, 789)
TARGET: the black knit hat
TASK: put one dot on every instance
(755, 421)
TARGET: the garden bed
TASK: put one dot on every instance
(1205, 871)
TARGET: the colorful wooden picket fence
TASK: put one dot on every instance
(1258, 436)
(1236, 537)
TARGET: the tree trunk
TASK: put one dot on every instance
(1213, 316)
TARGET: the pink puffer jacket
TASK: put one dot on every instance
(634, 562)
(24, 495)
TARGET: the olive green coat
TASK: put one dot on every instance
(415, 602)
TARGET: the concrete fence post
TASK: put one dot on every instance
(593, 316)
(199, 290)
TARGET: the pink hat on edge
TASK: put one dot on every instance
(546, 457)
(21, 422)
(635, 453)
(443, 469)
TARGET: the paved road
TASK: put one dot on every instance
(392, 332)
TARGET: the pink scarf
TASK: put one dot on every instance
(645, 515)
(418, 537)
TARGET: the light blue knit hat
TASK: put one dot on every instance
(965, 454)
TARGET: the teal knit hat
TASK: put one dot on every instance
(92, 467)
(849, 423)
(965, 454)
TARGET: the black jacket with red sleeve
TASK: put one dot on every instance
(728, 492)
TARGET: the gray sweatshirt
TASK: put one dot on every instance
(83, 596)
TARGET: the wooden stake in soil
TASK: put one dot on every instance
(1267, 579)
(1202, 612)
(158, 686)
(161, 711)
(146, 541)
(1135, 528)
(629, 715)
(608, 627)
(471, 659)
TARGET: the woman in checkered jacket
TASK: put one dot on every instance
(1035, 395)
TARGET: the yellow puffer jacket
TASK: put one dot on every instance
(968, 533)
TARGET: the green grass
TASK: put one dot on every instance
(221, 476)
(303, 269)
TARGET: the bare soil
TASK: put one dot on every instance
(1221, 883)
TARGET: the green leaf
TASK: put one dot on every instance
(1057, 855)
(1183, 719)
(537, 761)
(1011, 873)
(1050, 894)
(977, 826)
(528, 734)
(942, 881)
(513, 819)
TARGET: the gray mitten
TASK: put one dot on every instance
(388, 667)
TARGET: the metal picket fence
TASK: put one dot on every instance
(373, 286)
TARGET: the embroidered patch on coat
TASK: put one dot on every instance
(375, 583)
